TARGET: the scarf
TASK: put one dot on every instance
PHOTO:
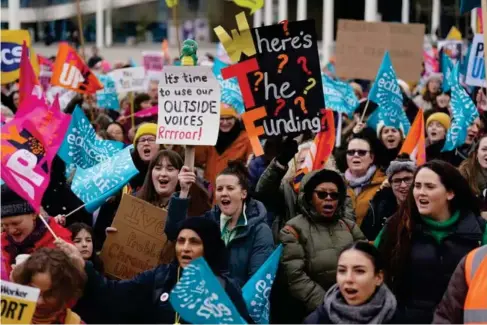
(441, 229)
(28, 244)
(380, 308)
(226, 139)
(357, 183)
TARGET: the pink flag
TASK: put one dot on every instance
(29, 144)
(28, 81)
(147, 112)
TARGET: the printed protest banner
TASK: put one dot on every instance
(81, 147)
(189, 106)
(96, 184)
(153, 64)
(107, 97)
(28, 83)
(414, 144)
(18, 303)
(29, 144)
(280, 78)
(361, 46)
(139, 240)
(230, 91)
(130, 79)
(71, 72)
(476, 63)
(11, 45)
(257, 290)
(200, 299)
(339, 95)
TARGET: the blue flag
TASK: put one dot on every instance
(339, 95)
(230, 90)
(464, 113)
(467, 5)
(107, 97)
(386, 93)
(200, 299)
(96, 184)
(446, 67)
(81, 147)
(257, 290)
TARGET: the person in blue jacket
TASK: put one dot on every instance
(242, 220)
(145, 298)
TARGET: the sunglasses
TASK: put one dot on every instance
(323, 195)
(359, 152)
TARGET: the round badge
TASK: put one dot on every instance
(164, 296)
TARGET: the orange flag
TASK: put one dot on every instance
(414, 145)
(71, 72)
(28, 80)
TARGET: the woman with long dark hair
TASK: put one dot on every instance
(438, 224)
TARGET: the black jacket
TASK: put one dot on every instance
(382, 206)
(138, 300)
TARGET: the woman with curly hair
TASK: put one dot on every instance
(60, 282)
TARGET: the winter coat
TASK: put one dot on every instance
(283, 202)
(382, 206)
(430, 265)
(215, 162)
(47, 240)
(144, 299)
(247, 251)
(257, 166)
(361, 202)
(311, 246)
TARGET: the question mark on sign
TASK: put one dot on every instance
(284, 59)
(303, 61)
(259, 80)
(302, 104)
(280, 104)
(284, 27)
(312, 83)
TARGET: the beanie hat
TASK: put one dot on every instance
(400, 164)
(405, 87)
(214, 248)
(440, 117)
(13, 205)
(227, 110)
(145, 129)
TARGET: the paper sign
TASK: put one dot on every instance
(361, 46)
(140, 238)
(476, 63)
(189, 106)
(107, 97)
(153, 64)
(130, 79)
(18, 303)
(11, 45)
(452, 48)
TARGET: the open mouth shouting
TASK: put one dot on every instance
(225, 202)
(350, 293)
(328, 209)
(423, 204)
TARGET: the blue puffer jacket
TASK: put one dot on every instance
(247, 251)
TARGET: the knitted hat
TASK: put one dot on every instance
(13, 205)
(214, 248)
(145, 129)
(442, 118)
(227, 110)
(400, 164)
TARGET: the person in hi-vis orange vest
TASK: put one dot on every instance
(465, 300)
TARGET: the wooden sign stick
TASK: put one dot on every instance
(48, 227)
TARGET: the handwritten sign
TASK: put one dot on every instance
(18, 303)
(476, 63)
(130, 79)
(189, 106)
(361, 46)
(137, 244)
(153, 64)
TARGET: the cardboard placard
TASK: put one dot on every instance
(130, 79)
(476, 63)
(153, 64)
(18, 303)
(140, 238)
(361, 46)
(189, 106)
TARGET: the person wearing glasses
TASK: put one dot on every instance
(313, 240)
(387, 200)
(363, 177)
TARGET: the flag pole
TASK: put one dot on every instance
(365, 111)
(80, 29)
(48, 227)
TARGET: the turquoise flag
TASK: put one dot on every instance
(230, 90)
(467, 5)
(96, 184)
(386, 93)
(200, 299)
(107, 97)
(446, 67)
(339, 95)
(464, 113)
(257, 290)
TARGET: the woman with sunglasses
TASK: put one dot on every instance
(313, 240)
(363, 177)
